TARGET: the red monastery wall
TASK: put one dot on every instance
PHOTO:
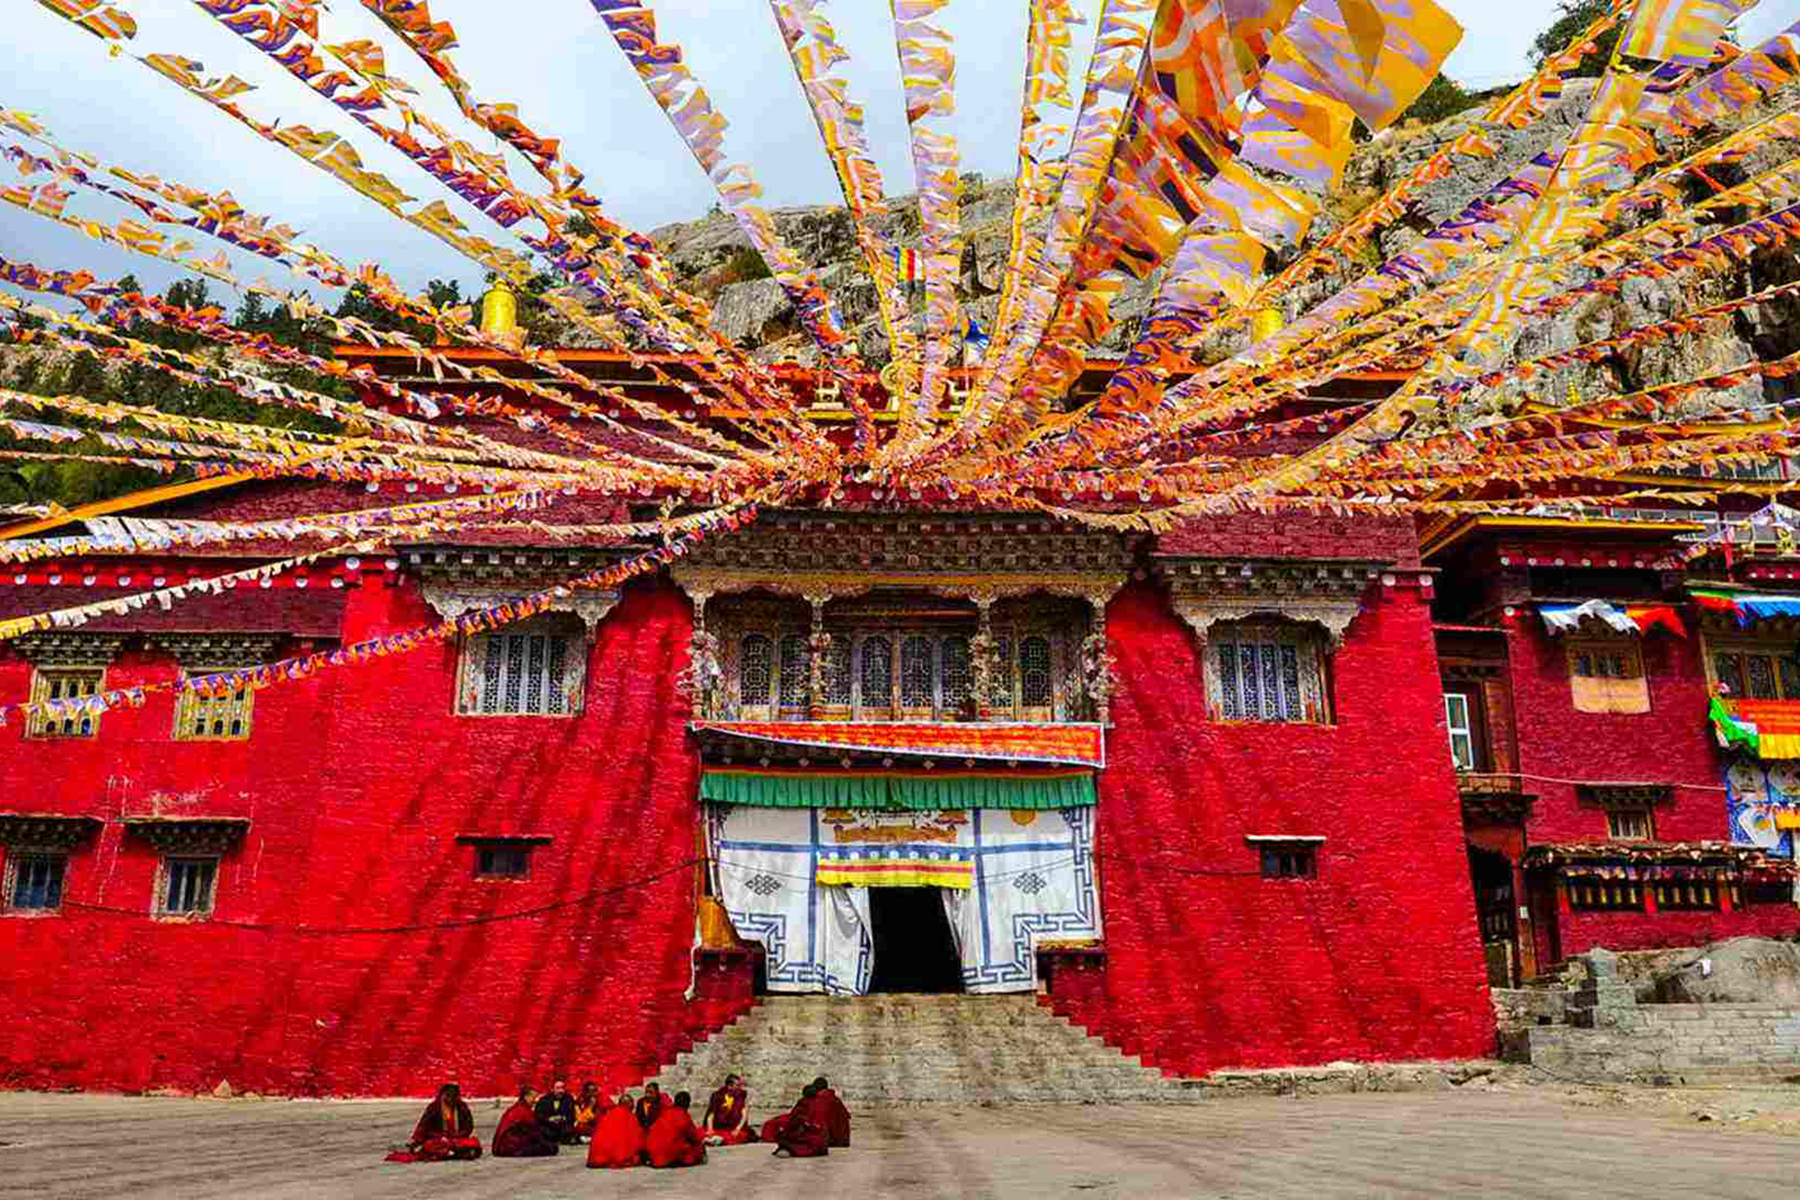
(1208, 964)
(358, 782)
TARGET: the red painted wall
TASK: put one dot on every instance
(357, 783)
(1672, 743)
(1209, 965)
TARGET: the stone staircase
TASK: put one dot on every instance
(913, 1049)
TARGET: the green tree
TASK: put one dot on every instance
(1442, 98)
(1574, 16)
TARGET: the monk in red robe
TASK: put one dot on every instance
(802, 1132)
(673, 1141)
(651, 1105)
(520, 1134)
(618, 1138)
(726, 1118)
(590, 1106)
(445, 1131)
(831, 1113)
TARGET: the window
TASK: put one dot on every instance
(796, 674)
(917, 682)
(213, 718)
(1458, 717)
(1034, 673)
(1290, 862)
(65, 683)
(1606, 675)
(34, 881)
(756, 671)
(1266, 673)
(533, 668)
(1629, 824)
(837, 673)
(187, 889)
(959, 677)
(500, 860)
(1758, 673)
(1596, 894)
(877, 674)
(1000, 687)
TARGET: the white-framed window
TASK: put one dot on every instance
(1460, 722)
(186, 885)
(1629, 824)
(65, 683)
(534, 668)
(1267, 673)
(34, 881)
(208, 718)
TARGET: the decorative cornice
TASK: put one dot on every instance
(19, 830)
(216, 651)
(1205, 592)
(702, 583)
(451, 601)
(70, 649)
(1625, 795)
(519, 569)
(189, 835)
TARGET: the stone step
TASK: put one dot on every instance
(918, 1049)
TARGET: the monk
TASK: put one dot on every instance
(520, 1134)
(651, 1105)
(618, 1139)
(590, 1106)
(801, 1133)
(673, 1141)
(445, 1131)
(556, 1113)
(725, 1120)
(832, 1114)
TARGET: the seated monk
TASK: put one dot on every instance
(726, 1121)
(801, 1133)
(832, 1114)
(673, 1141)
(520, 1134)
(556, 1113)
(651, 1105)
(618, 1139)
(588, 1108)
(445, 1131)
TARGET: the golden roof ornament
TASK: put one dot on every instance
(500, 309)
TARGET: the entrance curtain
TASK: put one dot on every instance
(815, 937)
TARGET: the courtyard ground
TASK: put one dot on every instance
(1488, 1140)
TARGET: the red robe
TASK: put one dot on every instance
(802, 1132)
(520, 1136)
(726, 1116)
(830, 1112)
(673, 1141)
(648, 1108)
(436, 1140)
(618, 1140)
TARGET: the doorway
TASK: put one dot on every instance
(914, 949)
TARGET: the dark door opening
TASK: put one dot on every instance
(914, 951)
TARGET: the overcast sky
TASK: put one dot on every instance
(555, 60)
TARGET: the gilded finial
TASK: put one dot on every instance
(500, 309)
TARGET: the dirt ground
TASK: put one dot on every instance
(1488, 1140)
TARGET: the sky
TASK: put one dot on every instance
(555, 60)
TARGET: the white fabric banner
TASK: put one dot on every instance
(1034, 881)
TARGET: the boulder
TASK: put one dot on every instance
(1744, 970)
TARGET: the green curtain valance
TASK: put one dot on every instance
(907, 791)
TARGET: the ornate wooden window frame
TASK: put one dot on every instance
(1779, 649)
(475, 650)
(187, 839)
(29, 835)
(1627, 649)
(1309, 687)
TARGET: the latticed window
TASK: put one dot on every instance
(837, 672)
(187, 886)
(796, 671)
(916, 686)
(35, 881)
(65, 683)
(755, 668)
(531, 669)
(1035, 687)
(1628, 824)
(1000, 686)
(1764, 673)
(959, 676)
(213, 718)
(877, 673)
(1266, 673)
